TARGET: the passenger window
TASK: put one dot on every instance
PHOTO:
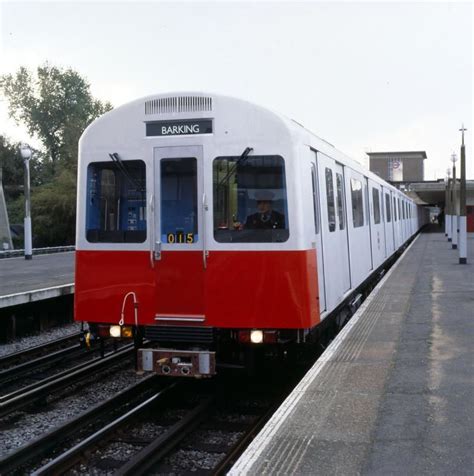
(357, 203)
(376, 201)
(395, 218)
(179, 223)
(330, 200)
(116, 202)
(387, 208)
(399, 210)
(340, 201)
(250, 204)
(314, 182)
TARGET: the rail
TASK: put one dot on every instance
(25, 396)
(72, 456)
(36, 450)
(16, 358)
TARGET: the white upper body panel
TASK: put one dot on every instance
(236, 124)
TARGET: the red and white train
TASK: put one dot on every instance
(207, 224)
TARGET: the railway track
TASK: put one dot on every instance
(24, 459)
(190, 418)
(36, 352)
(40, 391)
(44, 368)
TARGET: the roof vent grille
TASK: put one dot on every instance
(178, 104)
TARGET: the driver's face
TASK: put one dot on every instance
(264, 206)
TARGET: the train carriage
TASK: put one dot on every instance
(206, 223)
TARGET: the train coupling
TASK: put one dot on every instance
(177, 363)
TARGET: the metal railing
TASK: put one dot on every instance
(37, 251)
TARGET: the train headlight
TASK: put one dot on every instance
(256, 336)
(115, 331)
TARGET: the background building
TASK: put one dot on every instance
(398, 166)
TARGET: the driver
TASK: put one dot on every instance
(266, 218)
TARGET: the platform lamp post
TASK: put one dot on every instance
(25, 152)
(447, 206)
(454, 211)
(462, 204)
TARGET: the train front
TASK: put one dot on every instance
(188, 232)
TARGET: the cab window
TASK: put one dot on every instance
(250, 199)
(116, 202)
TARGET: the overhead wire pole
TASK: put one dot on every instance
(462, 204)
(454, 211)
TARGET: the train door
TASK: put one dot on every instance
(317, 237)
(334, 235)
(359, 231)
(388, 222)
(396, 233)
(383, 219)
(342, 229)
(178, 256)
(369, 221)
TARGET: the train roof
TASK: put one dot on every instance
(204, 103)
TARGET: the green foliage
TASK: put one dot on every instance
(55, 105)
(12, 165)
(53, 211)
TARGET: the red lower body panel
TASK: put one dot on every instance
(238, 289)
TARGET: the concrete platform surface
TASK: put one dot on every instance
(394, 392)
(43, 277)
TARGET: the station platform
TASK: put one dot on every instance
(394, 392)
(43, 277)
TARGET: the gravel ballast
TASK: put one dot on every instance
(24, 343)
(21, 428)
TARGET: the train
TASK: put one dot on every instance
(209, 227)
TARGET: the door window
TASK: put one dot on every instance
(357, 203)
(387, 208)
(340, 201)
(314, 181)
(179, 222)
(330, 200)
(376, 202)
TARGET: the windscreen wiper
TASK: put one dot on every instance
(240, 160)
(119, 163)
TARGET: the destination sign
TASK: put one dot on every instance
(179, 128)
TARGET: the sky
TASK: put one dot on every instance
(365, 76)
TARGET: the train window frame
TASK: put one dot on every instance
(330, 201)
(234, 220)
(340, 201)
(376, 203)
(357, 203)
(127, 222)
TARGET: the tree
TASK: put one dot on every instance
(53, 211)
(56, 105)
(12, 165)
